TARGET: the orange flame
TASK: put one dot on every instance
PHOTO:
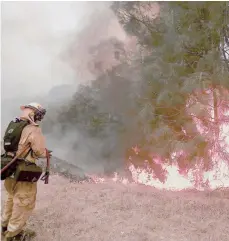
(218, 177)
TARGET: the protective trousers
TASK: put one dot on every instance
(19, 205)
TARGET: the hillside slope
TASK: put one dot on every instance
(68, 211)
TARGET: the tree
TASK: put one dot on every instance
(161, 97)
(184, 56)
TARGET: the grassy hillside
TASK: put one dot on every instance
(68, 211)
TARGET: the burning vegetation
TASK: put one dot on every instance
(158, 100)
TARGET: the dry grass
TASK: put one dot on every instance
(68, 211)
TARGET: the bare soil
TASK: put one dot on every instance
(68, 211)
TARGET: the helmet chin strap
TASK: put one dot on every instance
(31, 118)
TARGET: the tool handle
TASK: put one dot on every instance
(14, 159)
(46, 176)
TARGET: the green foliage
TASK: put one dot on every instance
(184, 56)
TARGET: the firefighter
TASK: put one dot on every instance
(22, 194)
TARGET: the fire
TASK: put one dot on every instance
(218, 177)
(193, 179)
(174, 180)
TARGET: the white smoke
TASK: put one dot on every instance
(36, 64)
(34, 37)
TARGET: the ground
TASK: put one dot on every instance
(68, 211)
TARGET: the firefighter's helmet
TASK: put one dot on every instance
(39, 111)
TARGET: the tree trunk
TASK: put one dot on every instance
(216, 114)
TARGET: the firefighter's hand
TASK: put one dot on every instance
(45, 177)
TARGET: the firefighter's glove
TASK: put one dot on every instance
(45, 177)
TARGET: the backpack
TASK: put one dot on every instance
(13, 135)
(11, 140)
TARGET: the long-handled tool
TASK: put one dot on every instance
(14, 159)
(46, 175)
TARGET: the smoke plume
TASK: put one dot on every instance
(45, 56)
